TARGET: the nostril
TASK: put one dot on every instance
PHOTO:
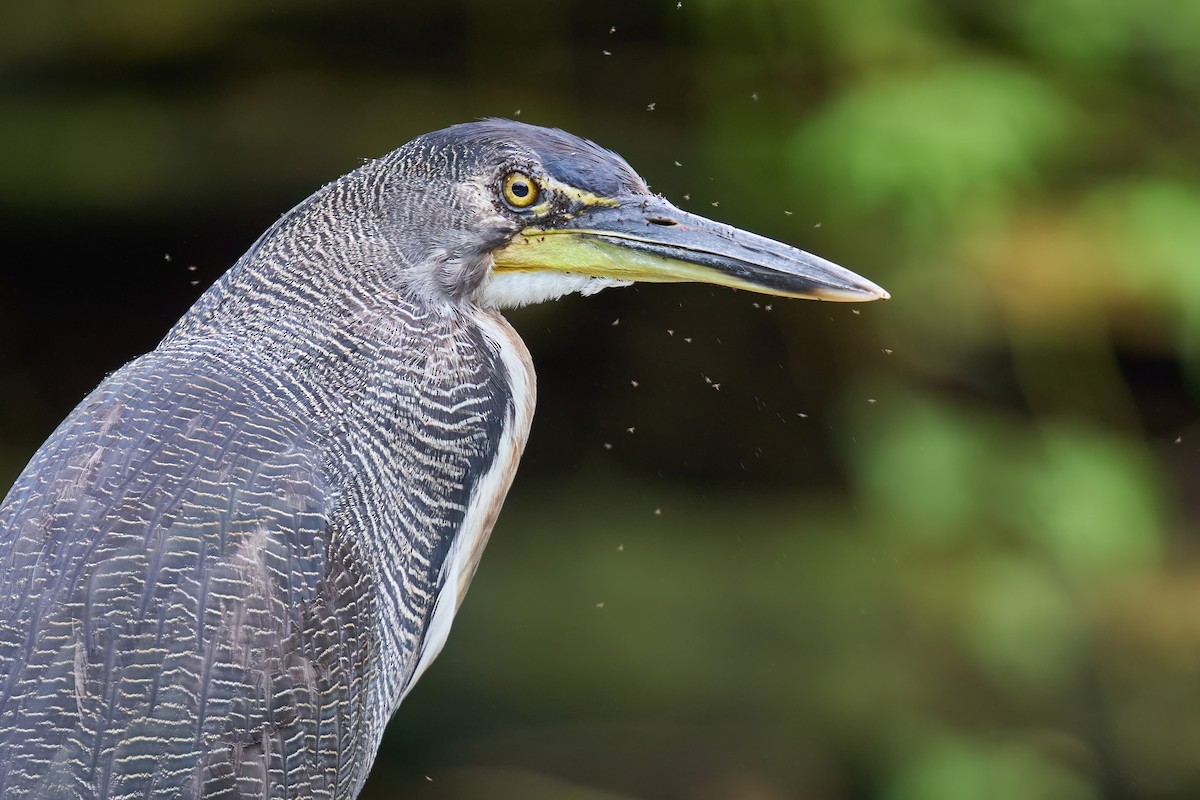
(666, 222)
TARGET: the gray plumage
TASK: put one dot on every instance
(223, 571)
(220, 568)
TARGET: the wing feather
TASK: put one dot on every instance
(231, 561)
(178, 607)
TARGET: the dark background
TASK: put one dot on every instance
(939, 547)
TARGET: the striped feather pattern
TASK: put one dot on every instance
(217, 575)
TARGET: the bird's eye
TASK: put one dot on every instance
(519, 190)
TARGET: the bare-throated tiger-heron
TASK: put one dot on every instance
(224, 570)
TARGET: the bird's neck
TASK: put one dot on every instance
(311, 268)
(419, 414)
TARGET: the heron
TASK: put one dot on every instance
(225, 569)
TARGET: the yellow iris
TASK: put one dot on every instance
(520, 191)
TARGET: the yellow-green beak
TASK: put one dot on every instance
(644, 238)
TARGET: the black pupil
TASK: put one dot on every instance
(520, 189)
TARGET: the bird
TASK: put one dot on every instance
(224, 570)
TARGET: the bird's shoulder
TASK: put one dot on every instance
(172, 578)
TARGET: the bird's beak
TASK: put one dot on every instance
(648, 239)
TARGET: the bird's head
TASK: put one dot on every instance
(502, 214)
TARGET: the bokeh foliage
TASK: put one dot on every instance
(942, 547)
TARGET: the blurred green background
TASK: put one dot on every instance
(943, 547)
